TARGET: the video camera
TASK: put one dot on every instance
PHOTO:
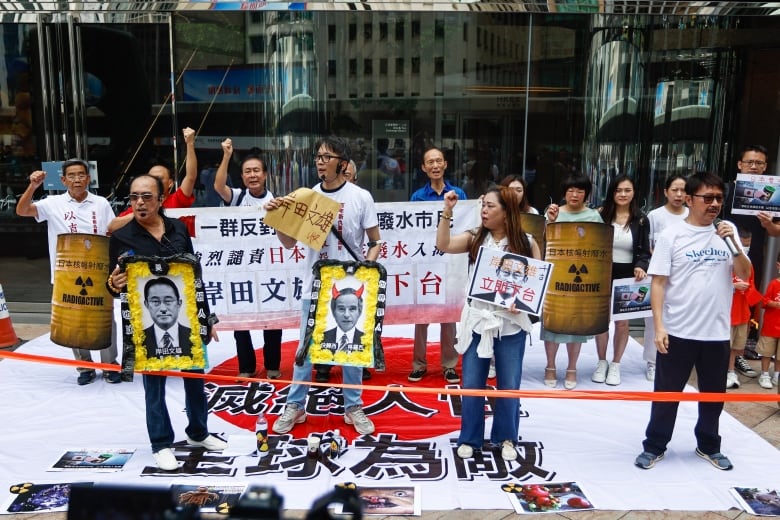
(88, 502)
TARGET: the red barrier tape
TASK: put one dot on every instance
(593, 395)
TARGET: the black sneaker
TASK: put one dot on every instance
(323, 374)
(451, 376)
(112, 377)
(744, 368)
(416, 375)
(86, 377)
(751, 355)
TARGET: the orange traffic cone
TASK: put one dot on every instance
(8, 337)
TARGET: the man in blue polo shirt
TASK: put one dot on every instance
(434, 167)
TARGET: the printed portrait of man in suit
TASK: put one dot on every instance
(166, 337)
(346, 307)
(511, 275)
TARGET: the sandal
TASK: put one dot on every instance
(552, 383)
(570, 385)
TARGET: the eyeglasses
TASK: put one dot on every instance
(754, 163)
(434, 162)
(167, 301)
(708, 199)
(74, 176)
(325, 157)
(145, 196)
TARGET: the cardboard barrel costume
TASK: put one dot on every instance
(578, 297)
(364, 284)
(177, 274)
(81, 307)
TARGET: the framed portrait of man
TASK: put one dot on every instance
(345, 319)
(163, 315)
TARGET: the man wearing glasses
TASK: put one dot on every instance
(692, 267)
(356, 221)
(434, 167)
(75, 211)
(753, 161)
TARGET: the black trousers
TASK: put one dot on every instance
(672, 370)
(272, 350)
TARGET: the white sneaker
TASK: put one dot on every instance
(211, 443)
(465, 451)
(165, 459)
(732, 381)
(600, 375)
(508, 451)
(613, 374)
(291, 416)
(764, 381)
(650, 375)
(358, 418)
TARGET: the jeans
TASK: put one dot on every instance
(158, 422)
(298, 391)
(245, 351)
(711, 359)
(509, 352)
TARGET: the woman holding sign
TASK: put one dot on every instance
(630, 258)
(576, 190)
(494, 330)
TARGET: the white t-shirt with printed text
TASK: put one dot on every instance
(698, 264)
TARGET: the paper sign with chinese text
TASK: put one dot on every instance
(308, 219)
(631, 299)
(756, 193)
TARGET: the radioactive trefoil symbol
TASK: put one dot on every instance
(84, 283)
(577, 272)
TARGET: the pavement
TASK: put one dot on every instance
(28, 294)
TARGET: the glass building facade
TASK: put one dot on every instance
(540, 88)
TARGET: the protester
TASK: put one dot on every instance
(254, 173)
(673, 210)
(630, 258)
(517, 183)
(152, 234)
(356, 220)
(769, 340)
(745, 296)
(691, 301)
(351, 172)
(493, 330)
(576, 189)
(435, 189)
(75, 211)
(183, 197)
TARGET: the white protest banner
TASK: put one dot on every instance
(252, 282)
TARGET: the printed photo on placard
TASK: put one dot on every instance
(345, 321)
(755, 193)
(758, 501)
(504, 279)
(549, 497)
(27, 497)
(208, 498)
(163, 313)
(631, 299)
(93, 460)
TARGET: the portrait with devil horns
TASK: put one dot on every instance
(345, 320)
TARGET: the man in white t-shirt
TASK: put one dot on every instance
(692, 267)
(75, 211)
(254, 172)
(356, 220)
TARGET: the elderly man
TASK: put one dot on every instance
(75, 211)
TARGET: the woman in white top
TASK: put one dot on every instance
(487, 329)
(674, 210)
(518, 184)
(630, 259)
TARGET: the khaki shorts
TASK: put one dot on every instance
(768, 347)
(739, 336)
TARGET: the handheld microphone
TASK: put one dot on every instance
(730, 242)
